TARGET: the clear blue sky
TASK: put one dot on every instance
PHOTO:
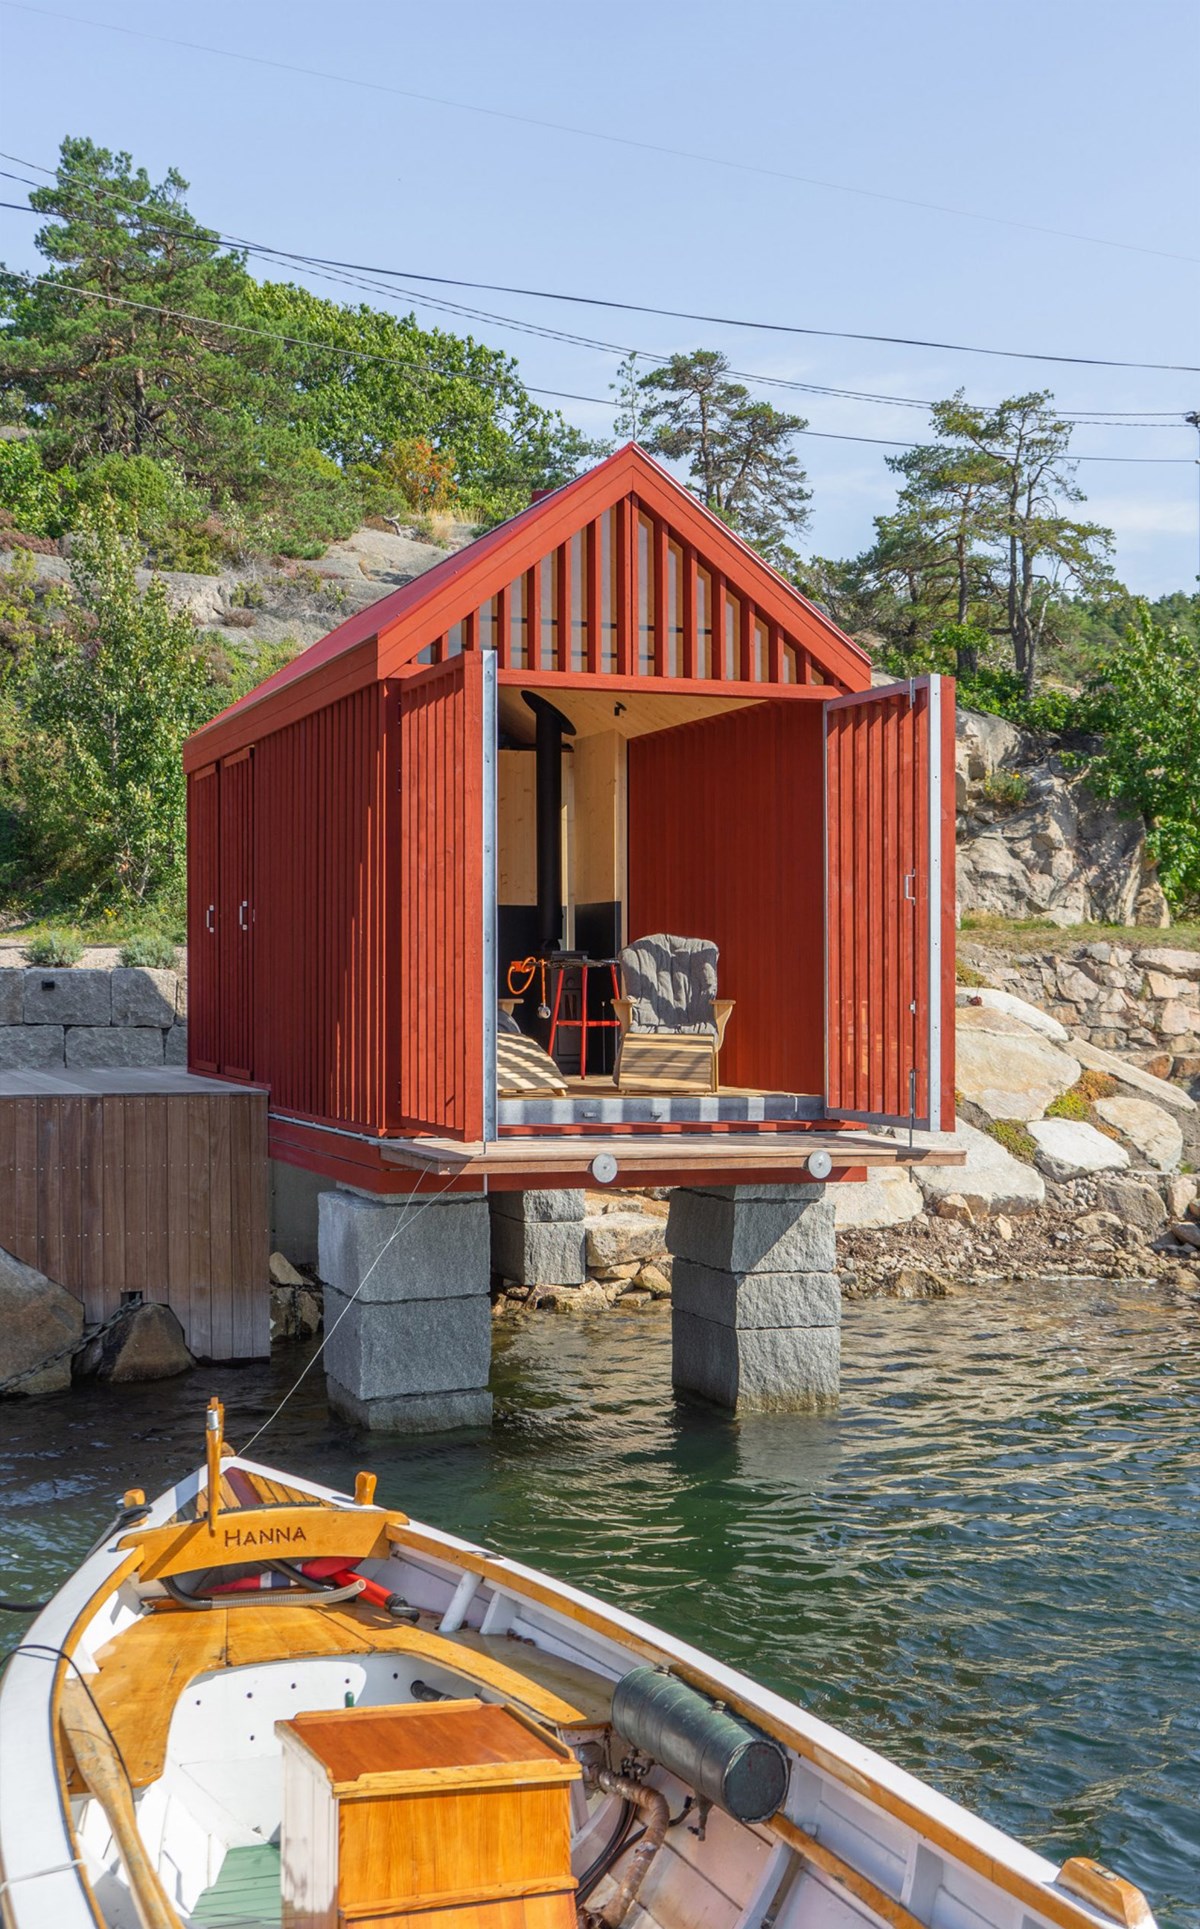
(1075, 115)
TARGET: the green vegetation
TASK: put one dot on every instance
(98, 709)
(1079, 1102)
(228, 416)
(965, 974)
(1006, 789)
(164, 408)
(55, 948)
(152, 951)
(739, 454)
(1014, 1137)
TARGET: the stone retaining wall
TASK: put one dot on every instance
(85, 1016)
(1143, 999)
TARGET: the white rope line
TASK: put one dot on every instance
(406, 1219)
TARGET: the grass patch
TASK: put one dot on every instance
(1078, 1101)
(1014, 1137)
(1015, 936)
(965, 974)
(1005, 789)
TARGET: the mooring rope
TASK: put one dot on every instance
(406, 1220)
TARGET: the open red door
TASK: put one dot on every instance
(447, 967)
(889, 885)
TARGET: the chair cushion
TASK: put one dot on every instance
(671, 983)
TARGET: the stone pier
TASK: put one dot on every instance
(538, 1238)
(413, 1352)
(756, 1305)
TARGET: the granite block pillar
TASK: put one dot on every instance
(756, 1304)
(407, 1313)
(538, 1238)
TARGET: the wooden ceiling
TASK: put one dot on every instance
(630, 713)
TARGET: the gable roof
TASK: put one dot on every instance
(381, 640)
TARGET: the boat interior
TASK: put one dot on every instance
(296, 1706)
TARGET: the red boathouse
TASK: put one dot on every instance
(604, 719)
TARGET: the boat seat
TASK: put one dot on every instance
(247, 1894)
(144, 1671)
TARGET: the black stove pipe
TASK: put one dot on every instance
(552, 726)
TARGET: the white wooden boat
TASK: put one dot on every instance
(299, 1706)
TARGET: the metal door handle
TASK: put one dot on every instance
(209, 922)
(243, 907)
(910, 887)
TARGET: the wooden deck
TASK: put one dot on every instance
(123, 1182)
(713, 1157)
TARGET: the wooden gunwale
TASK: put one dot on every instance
(1055, 1905)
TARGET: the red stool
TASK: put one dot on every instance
(583, 1024)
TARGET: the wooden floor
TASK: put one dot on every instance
(120, 1182)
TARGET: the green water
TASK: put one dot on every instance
(986, 1564)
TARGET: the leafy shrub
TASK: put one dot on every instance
(153, 951)
(55, 948)
(37, 499)
(1148, 705)
(105, 710)
(1005, 789)
(1015, 1138)
(155, 503)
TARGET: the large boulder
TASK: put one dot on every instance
(148, 1344)
(1034, 842)
(1018, 1008)
(623, 1238)
(1071, 1149)
(1126, 1073)
(41, 1324)
(1154, 1135)
(888, 1196)
(992, 1181)
(1134, 1203)
(1005, 1068)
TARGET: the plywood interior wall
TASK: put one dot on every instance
(599, 870)
(516, 860)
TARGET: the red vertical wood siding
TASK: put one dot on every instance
(725, 843)
(323, 1038)
(235, 917)
(204, 978)
(880, 840)
(949, 984)
(441, 894)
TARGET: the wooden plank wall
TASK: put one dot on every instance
(161, 1194)
(725, 842)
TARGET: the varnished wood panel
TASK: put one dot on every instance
(158, 1193)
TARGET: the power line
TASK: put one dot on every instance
(598, 134)
(417, 369)
(330, 270)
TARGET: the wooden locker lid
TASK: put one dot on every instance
(414, 1737)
